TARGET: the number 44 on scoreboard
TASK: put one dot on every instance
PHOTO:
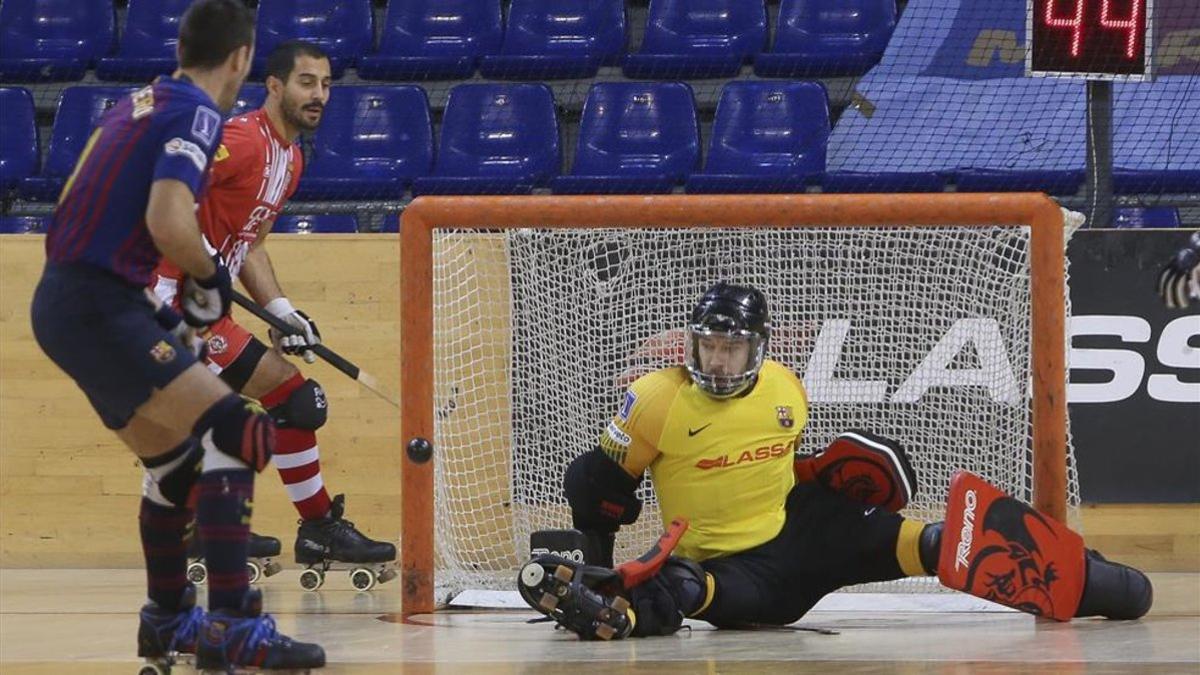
(1090, 39)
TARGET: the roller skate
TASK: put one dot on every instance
(246, 641)
(167, 638)
(259, 553)
(333, 542)
(584, 599)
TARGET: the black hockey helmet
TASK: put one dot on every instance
(733, 314)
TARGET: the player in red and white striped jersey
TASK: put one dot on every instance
(255, 171)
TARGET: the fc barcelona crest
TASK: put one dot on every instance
(783, 413)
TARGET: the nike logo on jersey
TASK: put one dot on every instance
(693, 432)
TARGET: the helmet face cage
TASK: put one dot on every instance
(736, 380)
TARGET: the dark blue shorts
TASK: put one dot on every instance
(101, 330)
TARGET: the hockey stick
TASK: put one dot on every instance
(331, 357)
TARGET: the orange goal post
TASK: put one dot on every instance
(936, 319)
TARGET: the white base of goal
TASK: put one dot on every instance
(835, 602)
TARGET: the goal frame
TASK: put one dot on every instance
(425, 214)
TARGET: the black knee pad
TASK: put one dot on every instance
(238, 428)
(238, 373)
(661, 603)
(306, 408)
(1113, 590)
(170, 478)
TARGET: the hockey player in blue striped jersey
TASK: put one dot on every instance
(130, 200)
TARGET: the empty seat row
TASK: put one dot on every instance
(324, 223)
(377, 142)
(422, 39)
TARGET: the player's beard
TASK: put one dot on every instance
(294, 113)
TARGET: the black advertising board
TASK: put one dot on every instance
(1134, 394)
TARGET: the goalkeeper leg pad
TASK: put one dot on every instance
(870, 469)
(1000, 549)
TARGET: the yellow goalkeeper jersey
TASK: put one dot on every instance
(724, 464)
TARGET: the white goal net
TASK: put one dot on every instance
(921, 334)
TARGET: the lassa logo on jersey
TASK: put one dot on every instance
(755, 455)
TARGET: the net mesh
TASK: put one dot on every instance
(919, 334)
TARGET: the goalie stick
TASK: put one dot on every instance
(331, 357)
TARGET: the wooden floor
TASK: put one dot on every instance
(84, 621)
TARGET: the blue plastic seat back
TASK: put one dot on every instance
(853, 25)
(18, 137)
(770, 129)
(594, 28)
(705, 27)
(834, 35)
(23, 224)
(250, 98)
(638, 129)
(344, 29)
(326, 223)
(152, 28)
(1137, 217)
(53, 39)
(441, 28)
(79, 111)
(500, 131)
(374, 134)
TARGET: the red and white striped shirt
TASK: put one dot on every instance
(254, 172)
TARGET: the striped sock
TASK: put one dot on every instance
(224, 499)
(162, 529)
(298, 459)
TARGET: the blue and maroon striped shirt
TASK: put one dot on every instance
(169, 129)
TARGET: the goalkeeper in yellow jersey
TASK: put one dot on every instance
(757, 534)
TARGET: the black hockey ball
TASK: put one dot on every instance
(420, 450)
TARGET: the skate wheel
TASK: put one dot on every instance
(532, 575)
(620, 605)
(362, 579)
(155, 669)
(311, 580)
(272, 568)
(548, 602)
(605, 631)
(563, 573)
(386, 575)
(197, 573)
(253, 571)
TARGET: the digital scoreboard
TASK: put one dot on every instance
(1089, 39)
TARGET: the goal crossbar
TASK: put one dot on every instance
(427, 214)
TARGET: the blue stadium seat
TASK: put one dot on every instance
(326, 223)
(1158, 216)
(698, 38)
(79, 111)
(767, 137)
(23, 224)
(18, 138)
(372, 142)
(546, 39)
(828, 38)
(496, 139)
(434, 39)
(1156, 135)
(53, 40)
(147, 47)
(635, 137)
(345, 29)
(249, 99)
